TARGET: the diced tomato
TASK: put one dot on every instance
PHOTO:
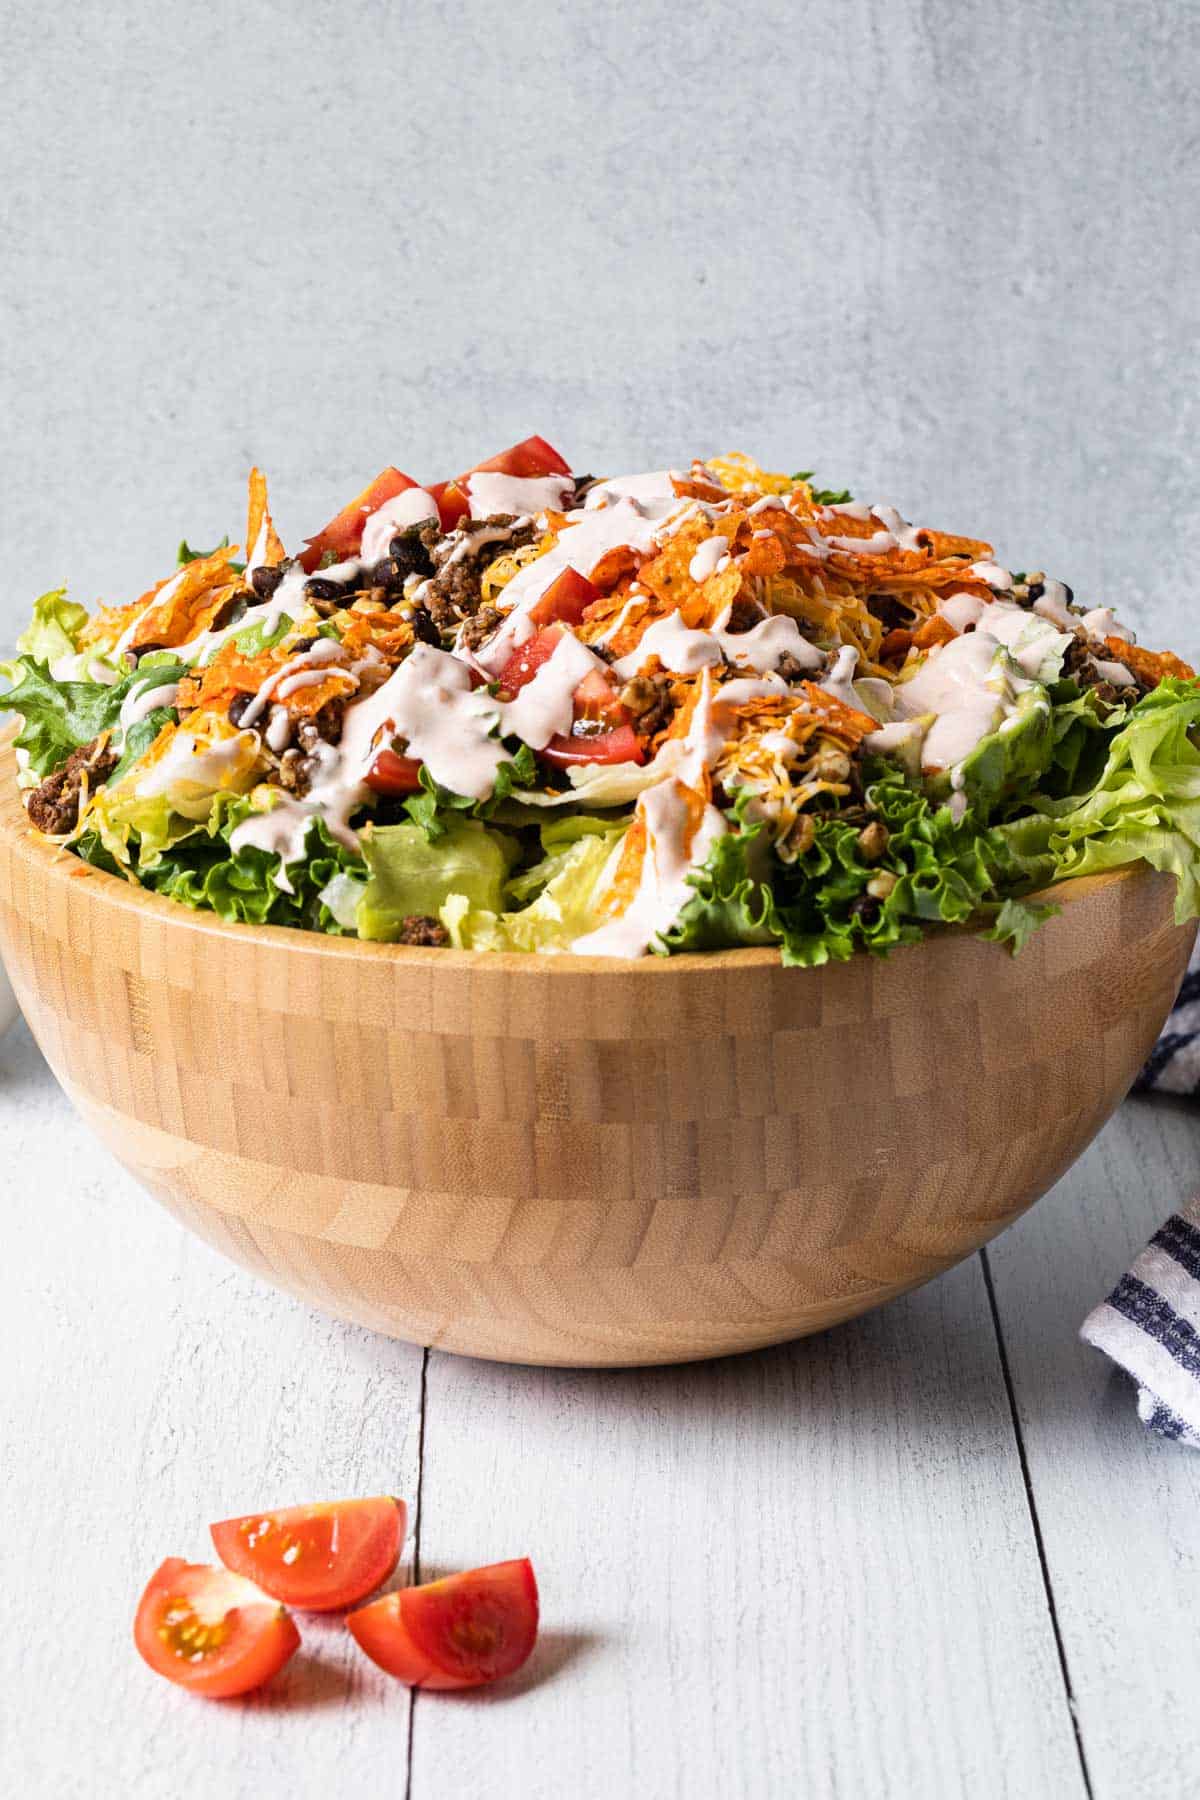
(453, 501)
(567, 598)
(621, 744)
(528, 459)
(528, 658)
(461, 1632)
(316, 1557)
(343, 534)
(597, 697)
(393, 774)
(532, 457)
(211, 1631)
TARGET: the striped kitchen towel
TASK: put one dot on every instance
(1174, 1063)
(1150, 1326)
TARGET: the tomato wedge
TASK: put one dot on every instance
(211, 1631)
(567, 598)
(453, 501)
(461, 1632)
(343, 534)
(532, 457)
(393, 774)
(316, 1557)
(621, 744)
(528, 658)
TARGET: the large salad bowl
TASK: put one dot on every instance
(573, 1160)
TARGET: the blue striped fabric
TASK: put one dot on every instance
(1150, 1327)
(1173, 1066)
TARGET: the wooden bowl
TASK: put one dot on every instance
(570, 1160)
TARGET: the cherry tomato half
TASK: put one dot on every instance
(343, 534)
(211, 1631)
(393, 774)
(461, 1632)
(316, 1557)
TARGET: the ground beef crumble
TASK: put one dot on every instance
(418, 929)
(54, 806)
(453, 593)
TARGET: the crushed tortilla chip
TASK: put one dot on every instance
(258, 520)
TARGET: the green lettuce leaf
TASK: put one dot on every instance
(936, 870)
(411, 873)
(562, 911)
(202, 872)
(1145, 804)
(1017, 920)
(54, 628)
(57, 716)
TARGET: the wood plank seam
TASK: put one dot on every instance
(1031, 1502)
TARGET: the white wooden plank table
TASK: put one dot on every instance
(931, 1553)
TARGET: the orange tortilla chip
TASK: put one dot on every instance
(173, 620)
(258, 517)
(935, 630)
(1150, 666)
(622, 560)
(841, 720)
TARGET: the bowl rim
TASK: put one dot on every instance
(59, 866)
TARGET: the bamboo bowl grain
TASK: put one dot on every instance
(575, 1161)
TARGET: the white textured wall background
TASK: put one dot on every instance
(944, 250)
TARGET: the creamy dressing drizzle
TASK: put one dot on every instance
(142, 702)
(711, 557)
(676, 845)
(580, 545)
(685, 651)
(202, 768)
(413, 507)
(520, 495)
(1032, 640)
(163, 595)
(966, 689)
(545, 706)
(325, 650)
(1103, 622)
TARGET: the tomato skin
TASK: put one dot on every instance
(532, 457)
(464, 1631)
(453, 501)
(621, 744)
(343, 534)
(567, 598)
(251, 1637)
(528, 658)
(316, 1557)
(393, 774)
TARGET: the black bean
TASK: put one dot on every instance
(317, 588)
(409, 555)
(266, 578)
(865, 908)
(382, 575)
(238, 707)
(424, 629)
